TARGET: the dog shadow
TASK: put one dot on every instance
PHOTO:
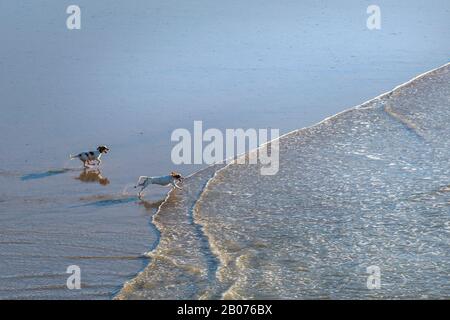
(93, 176)
(111, 202)
(150, 206)
(46, 174)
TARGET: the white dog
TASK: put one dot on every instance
(87, 157)
(171, 179)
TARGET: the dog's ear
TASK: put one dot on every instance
(176, 175)
(101, 149)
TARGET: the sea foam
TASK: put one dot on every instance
(367, 187)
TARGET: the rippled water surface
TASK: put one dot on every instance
(137, 70)
(368, 187)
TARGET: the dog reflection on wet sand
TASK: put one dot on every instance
(93, 176)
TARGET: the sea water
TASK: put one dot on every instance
(367, 188)
(135, 72)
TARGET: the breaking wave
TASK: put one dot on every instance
(367, 187)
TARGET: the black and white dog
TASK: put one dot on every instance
(171, 179)
(87, 157)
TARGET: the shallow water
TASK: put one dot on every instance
(50, 222)
(182, 265)
(139, 69)
(363, 188)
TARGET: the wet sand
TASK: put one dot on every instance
(368, 187)
(135, 72)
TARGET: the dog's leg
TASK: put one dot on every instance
(144, 185)
(175, 185)
(142, 189)
(139, 183)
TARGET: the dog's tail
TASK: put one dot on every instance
(71, 157)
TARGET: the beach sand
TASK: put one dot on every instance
(138, 70)
(367, 187)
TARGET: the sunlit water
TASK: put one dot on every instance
(368, 187)
(52, 220)
(136, 71)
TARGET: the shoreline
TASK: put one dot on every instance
(211, 179)
(159, 68)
